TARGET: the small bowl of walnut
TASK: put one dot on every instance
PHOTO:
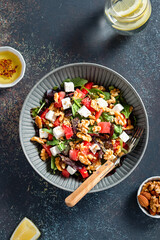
(148, 197)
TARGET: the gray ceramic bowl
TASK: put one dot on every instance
(100, 75)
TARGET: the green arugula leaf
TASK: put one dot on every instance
(126, 111)
(117, 129)
(77, 101)
(107, 117)
(107, 95)
(53, 165)
(124, 150)
(97, 91)
(48, 130)
(111, 88)
(55, 88)
(53, 142)
(114, 136)
(75, 108)
(35, 111)
(61, 146)
(78, 82)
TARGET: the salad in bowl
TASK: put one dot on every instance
(81, 125)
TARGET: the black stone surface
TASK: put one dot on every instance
(50, 34)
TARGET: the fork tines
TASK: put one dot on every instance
(136, 136)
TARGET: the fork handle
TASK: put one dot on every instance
(89, 183)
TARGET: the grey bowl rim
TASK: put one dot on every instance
(92, 65)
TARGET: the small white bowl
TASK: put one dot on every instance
(139, 191)
(18, 54)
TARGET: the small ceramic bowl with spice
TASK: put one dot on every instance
(148, 197)
(12, 67)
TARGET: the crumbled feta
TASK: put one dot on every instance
(94, 148)
(71, 170)
(84, 112)
(102, 103)
(58, 132)
(124, 136)
(43, 134)
(66, 103)
(69, 86)
(54, 150)
(118, 107)
(50, 116)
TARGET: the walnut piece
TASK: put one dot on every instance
(44, 155)
(38, 121)
(109, 155)
(83, 158)
(85, 137)
(38, 139)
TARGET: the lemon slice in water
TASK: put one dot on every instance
(26, 230)
(135, 15)
(136, 24)
(124, 8)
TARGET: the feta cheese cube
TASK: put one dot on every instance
(118, 107)
(124, 136)
(84, 112)
(50, 116)
(71, 170)
(54, 150)
(58, 132)
(102, 103)
(94, 148)
(66, 103)
(69, 86)
(43, 134)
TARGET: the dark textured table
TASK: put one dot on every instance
(49, 34)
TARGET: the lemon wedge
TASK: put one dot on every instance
(136, 24)
(124, 8)
(26, 230)
(135, 15)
